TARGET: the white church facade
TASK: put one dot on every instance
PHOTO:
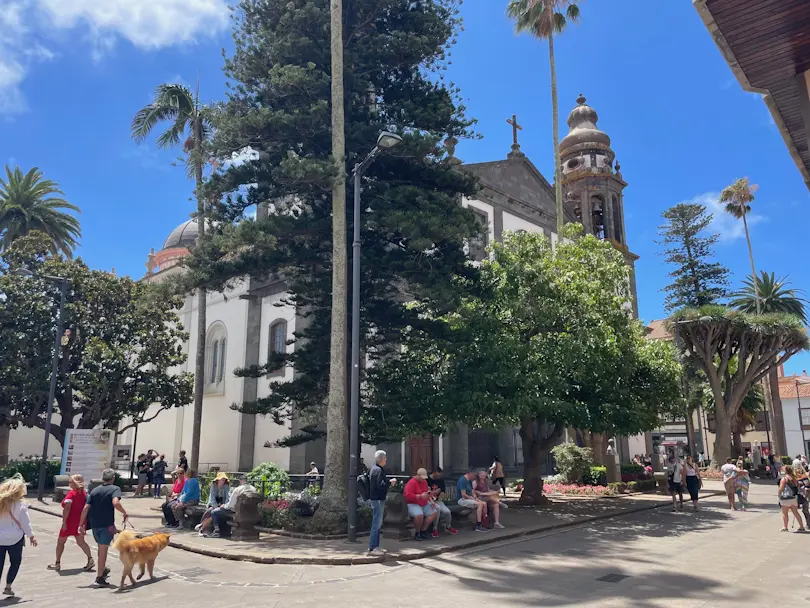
(249, 322)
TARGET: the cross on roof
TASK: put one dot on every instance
(515, 128)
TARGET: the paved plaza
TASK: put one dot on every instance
(646, 559)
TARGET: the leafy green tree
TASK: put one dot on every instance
(192, 124)
(548, 344)
(545, 19)
(717, 336)
(117, 352)
(414, 229)
(29, 202)
(772, 295)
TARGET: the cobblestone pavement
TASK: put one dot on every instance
(713, 558)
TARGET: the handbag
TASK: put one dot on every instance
(787, 493)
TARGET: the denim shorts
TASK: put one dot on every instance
(417, 510)
(103, 536)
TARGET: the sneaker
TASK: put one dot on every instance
(452, 531)
(418, 537)
(783, 529)
(480, 528)
(435, 534)
(214, 534)
(499, 525)
(379, 550)
(198, 527)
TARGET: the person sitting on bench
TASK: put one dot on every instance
(420, 504)
(468, 501)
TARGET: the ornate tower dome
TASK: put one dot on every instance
(175, 247)
(585, 146)
(182, 236)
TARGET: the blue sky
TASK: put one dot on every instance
(72, 74)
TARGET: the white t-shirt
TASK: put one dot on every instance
(677, 471)
(728, 471)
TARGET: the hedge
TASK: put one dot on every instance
(29, 469)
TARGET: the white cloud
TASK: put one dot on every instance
(729, 228)
(146, 24)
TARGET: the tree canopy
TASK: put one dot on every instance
(717, 337)
(118, 349)
(29, 202)
(548, 343)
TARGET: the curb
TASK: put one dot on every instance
(396, 557)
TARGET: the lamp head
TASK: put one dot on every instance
(23, 272)
(388, 140)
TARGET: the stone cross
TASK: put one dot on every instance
(515, 128)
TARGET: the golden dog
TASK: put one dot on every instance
(133, 550)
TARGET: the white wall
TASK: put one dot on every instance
(793, 432)
(513, 223)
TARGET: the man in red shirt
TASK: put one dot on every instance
(420, 504)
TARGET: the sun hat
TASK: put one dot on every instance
(221, 475)
(421, 474)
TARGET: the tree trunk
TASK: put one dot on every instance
(202, 323)
(5, 436)
(753, 267)
(555, 126)
(598, 444)
(532, 462)
(771, 390)
(690, 429)
(736, 444)
(722, 439)
(332, 506)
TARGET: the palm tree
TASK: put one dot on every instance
(28, 202)
(771, 294)
(543, 19)
(176, 104)
(738, 198)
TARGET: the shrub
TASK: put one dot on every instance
(515, 483)
(270, 479)
(29, 469)
(646, 485)
(595, 476)
(633, 469)
(572, 460)
(786, 459)
(619, 487)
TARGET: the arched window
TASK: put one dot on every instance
(277, 341)
(598, 216)
(617, 220)
(216, 343)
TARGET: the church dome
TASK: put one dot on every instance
(183, 236)
(583, 130)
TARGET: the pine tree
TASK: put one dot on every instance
(696, 280)
(414, 228)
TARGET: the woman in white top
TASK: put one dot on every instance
(693, 480)
(14, 527)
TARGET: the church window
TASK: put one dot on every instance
(277, 341)
(597, 216)
(215, 348)
(573, 163)
(478, 244)
(617, 220)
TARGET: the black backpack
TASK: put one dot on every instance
(364, 486)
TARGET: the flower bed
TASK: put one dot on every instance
(575, 490)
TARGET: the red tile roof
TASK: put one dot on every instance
(657, 330)
(787, 386)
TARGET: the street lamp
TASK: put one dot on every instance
(62, 283)
(385, 141)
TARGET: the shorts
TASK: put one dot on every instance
(143, 479)
(674, 487)
(103, 536)
(791, 502)
(417, 510)
(467, 503)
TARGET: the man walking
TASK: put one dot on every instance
(99, 515)
(378, 490)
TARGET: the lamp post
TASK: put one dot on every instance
(57, 349)
(384, 141)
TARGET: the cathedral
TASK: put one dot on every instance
(251, 321)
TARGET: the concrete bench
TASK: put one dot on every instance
(61, 487)
(461, 514)
(243, 521)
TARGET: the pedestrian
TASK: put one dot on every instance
(741, 483)
(182, 461)
(675, 479)
(15, 525)
(159, 474)
(788, 501)
(497, 475)
(693, 480)
(150, 462)
(803, 481)
(378, 490)
(72, 507)
(99, 515)
(729, 471)
(702, 460)
(142, 468)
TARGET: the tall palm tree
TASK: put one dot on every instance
(770, 294)
(738, 198)
(191, 124)
(28, 202)
(544, 19)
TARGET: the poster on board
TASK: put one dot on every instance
(87, 452)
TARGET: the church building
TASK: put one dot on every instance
(251, 321)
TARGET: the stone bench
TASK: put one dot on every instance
(61, 487)
(398, 525)
(239, 524)
(460, 514)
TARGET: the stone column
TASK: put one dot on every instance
(247, 423)
(607, 215)
(459, 457)
(585, 209)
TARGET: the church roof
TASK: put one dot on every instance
(508, 176)
(182, 236)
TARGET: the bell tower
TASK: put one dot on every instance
(593, 191)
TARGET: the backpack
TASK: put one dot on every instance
(364, 486)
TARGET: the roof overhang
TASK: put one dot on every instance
(767, 45)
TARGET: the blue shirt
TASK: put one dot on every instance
(464, 485)
(191, 491)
